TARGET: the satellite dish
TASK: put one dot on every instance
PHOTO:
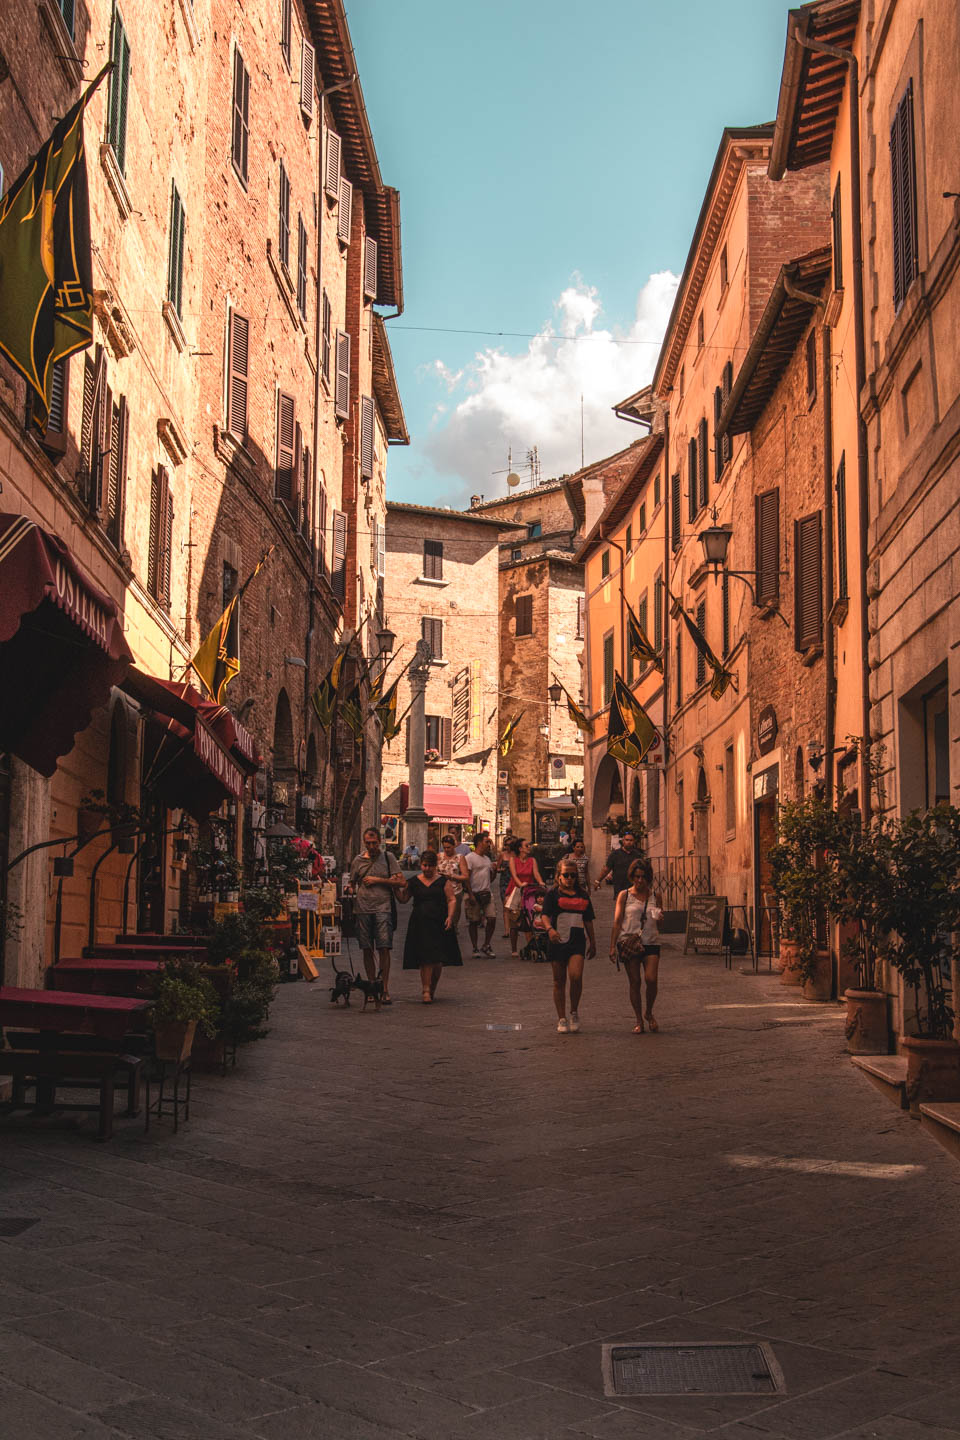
(513, 479)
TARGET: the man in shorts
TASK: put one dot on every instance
(374, 877)
(479, 902)
(618, 864)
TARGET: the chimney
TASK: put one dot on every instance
(475, 500)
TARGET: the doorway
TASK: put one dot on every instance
(5, 785)
(766, 799)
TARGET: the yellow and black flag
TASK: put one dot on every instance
(351, 708)
(505, 743)
(218, 659)
(630, 731)
(46, 283)
(638, 644)
(386, 712)
(722, 677)
(575, 713)
(324, 698)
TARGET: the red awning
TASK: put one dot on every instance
(61, 645)
(447, 804)
(181, 700)
(191, 766)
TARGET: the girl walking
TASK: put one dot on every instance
(635, 940)
(453, 867)
(523, 871)
(567, 917)
(431, 941)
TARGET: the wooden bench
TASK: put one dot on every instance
(48, 1071)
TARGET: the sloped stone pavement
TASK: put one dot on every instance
(415, 1224)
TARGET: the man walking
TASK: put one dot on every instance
(375, 877)
(618, 864)
(480, 905)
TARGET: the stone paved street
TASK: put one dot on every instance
(426, 1223)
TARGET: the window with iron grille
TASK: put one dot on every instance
(675, 520)
(432, 631)
(433, 559)
(178, 228)
(903, 175)
(836, 226)
(240, 135)
(283, 239)
(523, 611)
(607, 667)
(767, 538)
(808, 564)
(841, 527)
(701, 658)
(301, 267)
(119, 93)
(523, 800)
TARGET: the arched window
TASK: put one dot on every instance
(311, 767)
(798, 772)
(607, 791)
(284, 758)
(703, 792)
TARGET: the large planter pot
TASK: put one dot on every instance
(866, 1028)
(819, 985)
(933, 1069)
(790, 963)
(175, 1040)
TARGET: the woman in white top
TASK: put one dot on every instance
(635, 940)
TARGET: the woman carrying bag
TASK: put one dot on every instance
(635, 940)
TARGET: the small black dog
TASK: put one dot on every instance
(342, 985)
(371, 989)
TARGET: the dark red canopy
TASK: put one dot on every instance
(61, 645)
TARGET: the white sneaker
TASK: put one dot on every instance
(563, 1026)
(574, 1022)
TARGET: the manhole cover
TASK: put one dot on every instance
(690, 1370)
(11, 1225)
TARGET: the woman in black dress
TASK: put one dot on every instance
(431, 937)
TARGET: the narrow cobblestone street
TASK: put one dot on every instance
(427, 1222)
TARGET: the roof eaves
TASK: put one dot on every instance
(834, 21)
(619, 503)
(385, 388)
(402, 507)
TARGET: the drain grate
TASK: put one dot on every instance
(724, 1369)
(11, 1225)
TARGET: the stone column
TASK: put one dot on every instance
(415, 817)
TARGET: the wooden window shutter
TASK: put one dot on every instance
(175, 256)
(238, 378)
(166, 539)
(55, 440)
(607, 668)
(326, 339)
(693, 481)
(841, 488)
(704, 462)
(725, 618)
(305, 474)
(286, 28)
(432, 631)
(338, 564)
(433, 559)
(523, 611)
(581, 615)
(701, 626)
(678, 654)
(675, 520)
(727, 442)
(837, 234)
(301, 267)
(767, 523)
(342, 399)
(240, 146)
(810, 351)
(321, 528)
(446, 728)
(284, 235)
(117, 483)
(103, 445)
(903, 174)
(717, 443)
(119, 92)
(658, 611)
(94, 380)
(381, 552)
(370, 268)
(345, 212)
(331, 181)
(367, 416)
(153, 543)
(808, 566)
(308, 69)
(286, 447)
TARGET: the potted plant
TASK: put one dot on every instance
(861, 881)
(919, 913)
(183, 1001)
(802, 882)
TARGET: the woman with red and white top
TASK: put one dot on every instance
(523, 871)
(567, 917)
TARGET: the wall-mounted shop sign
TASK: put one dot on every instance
(767, 729)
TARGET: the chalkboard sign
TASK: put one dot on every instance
(706, 923)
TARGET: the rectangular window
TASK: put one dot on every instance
(724, 274)
(228, 585)
(808, 565)
(730, 790)
(656, 491)
(238, 359)
(160, 544)
(342, 398)
(837, 233)
(286, 27)
(841, 489)
(700, 331)
(653, 799)
(305, 485)
(903, 175)
(642, 518)
(240, 143)
(581, 615)
(678, 661)
(367, 436)
(680, 815)
(285, 487)
(338, 561)
(301, 267)
(811, 355)
(523, 800)
(693, 479)
(119, 93)
(104, 430)
(326, 338)
(370, 268)
(767, 542)
(432, 631)
(433, 559)
(701, 626)
(331, 181)
(936, 747)
(658, 610)
(283, 239)
(726, 444)
(523, 612)
(703, 462)
(717, 440)
(675, 522)
(534, 530)
(431, 732)
(607, 667)
(628, 540)
(321, 528)
(604, 564)
(178, 226)
(66, 8)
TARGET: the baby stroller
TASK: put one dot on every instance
(535, 948)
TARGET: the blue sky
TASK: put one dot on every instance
(551, 161)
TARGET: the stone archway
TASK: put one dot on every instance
(607, 791)
(635, 810)
(284, 751)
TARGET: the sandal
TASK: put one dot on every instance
(638, 1028)
(427, 998)
(653, 1024)
(385, 1000)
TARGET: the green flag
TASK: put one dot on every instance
(630, 731)
(721, 676)
(637, 643)
(324, 698)
(46, 283)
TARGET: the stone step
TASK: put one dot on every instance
(888, 1073)
(941, 1119)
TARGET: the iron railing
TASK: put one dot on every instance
(677, 877)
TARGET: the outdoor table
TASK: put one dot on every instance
(104, 977)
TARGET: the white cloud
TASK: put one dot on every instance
(533, 397)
